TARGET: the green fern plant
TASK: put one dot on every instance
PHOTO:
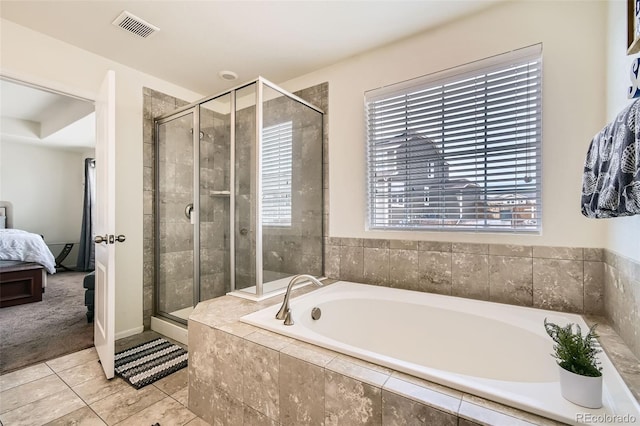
(574, 352)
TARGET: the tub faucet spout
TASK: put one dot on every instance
(285, 312)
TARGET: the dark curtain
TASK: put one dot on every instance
(86, 252)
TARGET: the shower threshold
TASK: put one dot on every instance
(270, 289)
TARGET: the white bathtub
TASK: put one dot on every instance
(496, 351)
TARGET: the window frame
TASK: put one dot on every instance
(533, 155)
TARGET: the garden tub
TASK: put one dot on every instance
(496, 351)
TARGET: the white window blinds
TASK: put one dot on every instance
(276, 174)
(459, 150)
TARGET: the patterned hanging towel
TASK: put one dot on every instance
(611, 179)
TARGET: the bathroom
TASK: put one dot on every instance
(586, 73)
(562, 268)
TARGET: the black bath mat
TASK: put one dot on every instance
(147, 362)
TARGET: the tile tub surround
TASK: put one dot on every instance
(569, 279)
(240, 374)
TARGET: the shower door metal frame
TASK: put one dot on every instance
(194, 108)
(195, 212)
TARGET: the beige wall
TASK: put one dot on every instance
(623, 234)
(39, 59)
(573, 109)
(45, 186)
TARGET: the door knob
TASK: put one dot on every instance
(99, 239)
(188, 209)
(120, 238)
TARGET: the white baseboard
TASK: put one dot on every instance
(130, 332)
(170, 330)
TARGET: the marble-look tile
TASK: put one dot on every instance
(198, 422)
(332, 261)
(260, 375)
(593, 254)
(424, 384)
(350, 242)
(351, 263)
(511, 280)
(202, 367)
(435, 246)
(376, 265)
(593, 287)
(435, 272)
(511, 250)
(99, 387)
(25, 375)
(348, 367)
(301, 392)
(470, 276)
(237, 328)
(81, 373)
(43, 410)
(126, 403)
(465, 422)
(403, 269)
(309, 353)
(255, 418)
(558, 285)
(182, 396)
(269, 339)
(443, 402)
(72, 360)
(82, 416)
(173, 382)
(567, 253)
(375, 243)
(229, 360)
(29, 392)
(472, 248)
(397, 411)
(227, 411)
(166, 411)
(351, 402)
(403, 244)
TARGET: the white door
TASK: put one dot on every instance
(104, 317)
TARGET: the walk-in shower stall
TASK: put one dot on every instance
(238, 197)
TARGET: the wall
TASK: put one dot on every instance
(54, 64)
(622, 267)
(571, 114)
(45, 186)
(620, 230)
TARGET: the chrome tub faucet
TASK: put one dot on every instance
(285, 312)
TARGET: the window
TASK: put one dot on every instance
(459, 149)
(276, 174)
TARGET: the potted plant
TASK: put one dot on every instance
(580, 371)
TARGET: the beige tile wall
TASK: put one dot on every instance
(559, 278)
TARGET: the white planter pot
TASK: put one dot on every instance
(582, 390)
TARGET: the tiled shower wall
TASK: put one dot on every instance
(214, 175)
(154, 104)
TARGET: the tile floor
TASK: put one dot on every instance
(72, 390)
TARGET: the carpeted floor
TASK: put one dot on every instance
(40, 331)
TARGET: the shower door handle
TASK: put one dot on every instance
(188, 210)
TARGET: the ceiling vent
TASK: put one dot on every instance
(131, 23)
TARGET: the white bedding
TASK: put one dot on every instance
(16, 244)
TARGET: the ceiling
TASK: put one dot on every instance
(277, 39)
(31, 115)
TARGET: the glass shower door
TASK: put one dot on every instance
(176, 291)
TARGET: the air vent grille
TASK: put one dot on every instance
(131, 23)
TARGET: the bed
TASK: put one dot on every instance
(25, 260)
